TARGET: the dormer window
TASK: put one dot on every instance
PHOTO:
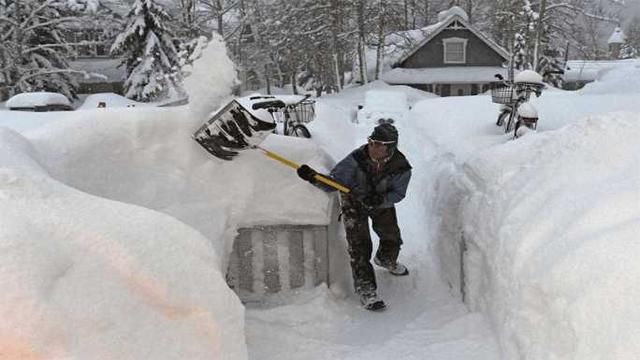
(455, 51)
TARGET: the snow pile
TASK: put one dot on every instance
(86, 277)
(116, 226)
(381, 105)
(623, 79)
(550, 224)
(87, 265)
(212, 77)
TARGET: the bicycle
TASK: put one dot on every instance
(511, 95)
(293, 111)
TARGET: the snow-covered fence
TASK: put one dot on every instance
(272, 259)
(275, 259)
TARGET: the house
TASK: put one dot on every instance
(615, 42)
(453, 58)
(91, 35)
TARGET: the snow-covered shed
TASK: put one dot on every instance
(453, 59)
(615, 42)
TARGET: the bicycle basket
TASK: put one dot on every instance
(304, 111)
(502, 93)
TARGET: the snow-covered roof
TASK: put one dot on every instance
(398, 43)
(36, 99)
(444, 75)
(617, 37)
(441, 25)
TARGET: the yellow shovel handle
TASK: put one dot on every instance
(323, 179)
(333, 184)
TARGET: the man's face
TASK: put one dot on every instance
(377, 149)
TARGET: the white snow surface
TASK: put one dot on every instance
(110, 100)
(33, 99)
(116, 227)
(528, 76)
(449, 74)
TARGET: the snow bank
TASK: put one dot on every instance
(550, 224)
(623, 79)
(146, 156)
(86, 277)
(118, 227)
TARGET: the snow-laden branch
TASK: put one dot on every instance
(51, 22)
(10, 21)
(42, 6)
(86, 74)
(50, 46)
(317, 30)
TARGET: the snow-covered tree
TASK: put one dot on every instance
(520, 56)
(627, 51)
(33, 50)
(551, 69)
(151, 61)
(631, 47)
(504, 21)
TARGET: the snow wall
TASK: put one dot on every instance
(81, 272)
(547, 229)
(145, 197)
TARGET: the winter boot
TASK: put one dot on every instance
(371, 301)
(396, 268)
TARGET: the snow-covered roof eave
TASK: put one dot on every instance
(444, 75)
(443, 25)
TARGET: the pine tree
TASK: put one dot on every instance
(33, 52)
(627, 51)
(150, 57)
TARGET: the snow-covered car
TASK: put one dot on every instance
(39, 101)
(383, 106)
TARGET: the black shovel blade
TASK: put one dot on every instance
(232, 129)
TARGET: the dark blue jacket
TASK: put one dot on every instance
(362, 175)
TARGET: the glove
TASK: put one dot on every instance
(306, 173)
(372, 201)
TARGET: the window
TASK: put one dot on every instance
(455, 51)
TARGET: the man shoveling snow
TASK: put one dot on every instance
(377, 175)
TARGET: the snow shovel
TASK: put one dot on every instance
(233, 128)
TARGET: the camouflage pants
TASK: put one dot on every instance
(356, 224)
